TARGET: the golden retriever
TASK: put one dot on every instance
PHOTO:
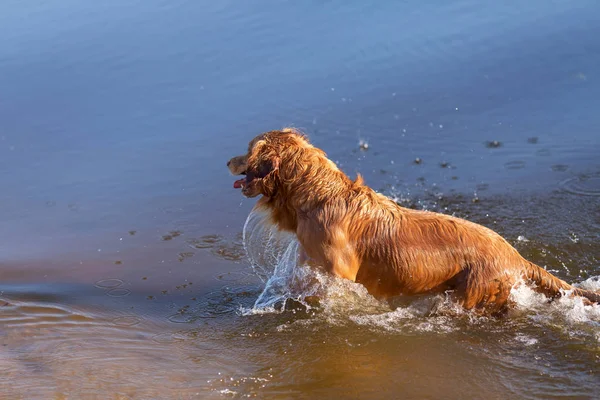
(355, 233)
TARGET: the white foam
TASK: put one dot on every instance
(569, 313)
(572, 307)
(526, 340)
(592, 284)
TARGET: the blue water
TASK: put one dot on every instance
(117, 106)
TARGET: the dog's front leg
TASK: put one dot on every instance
(329, 249)
(340, 258)
(342, 261)
(305, 259)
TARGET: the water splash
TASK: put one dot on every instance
(569, 315)
(273, 255)
(264, 243)
(571, 309)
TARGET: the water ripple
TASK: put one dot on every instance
(582, 185)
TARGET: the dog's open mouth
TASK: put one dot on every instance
(247, 183)
(241, 183)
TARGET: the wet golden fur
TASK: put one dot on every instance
(355, 233)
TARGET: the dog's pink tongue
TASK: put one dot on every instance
(238, 184)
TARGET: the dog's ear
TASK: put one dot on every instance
(268, 166)
(264, 163)
(268, 170)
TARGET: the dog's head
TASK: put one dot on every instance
(261, 163)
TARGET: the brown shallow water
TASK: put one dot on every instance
(177, 321)
(123, 272)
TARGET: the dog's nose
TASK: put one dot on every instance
(228, 162)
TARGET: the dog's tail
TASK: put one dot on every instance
(551, 286)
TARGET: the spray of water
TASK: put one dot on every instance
(273, 255)
(571, 309)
